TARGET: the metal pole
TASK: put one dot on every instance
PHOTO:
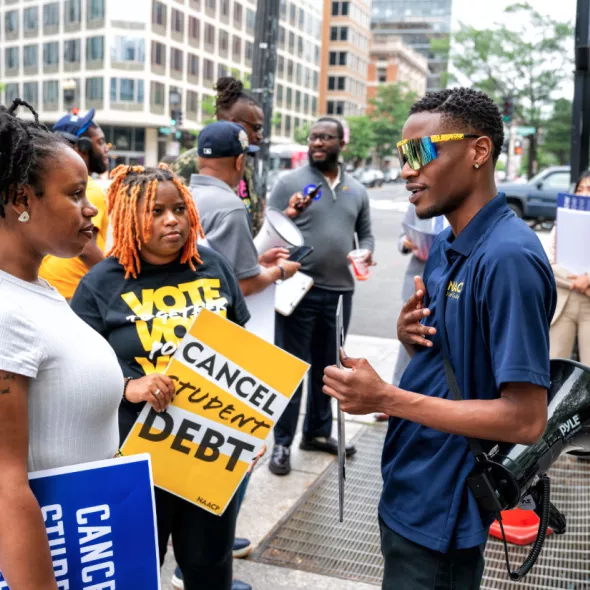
(263, 78)
(581, 106)
(510, 156)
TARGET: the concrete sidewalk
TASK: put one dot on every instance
(270, 498)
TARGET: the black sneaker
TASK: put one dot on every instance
(280, 462)
(326, 445)
(178, 582)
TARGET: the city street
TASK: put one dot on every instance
(378, 301)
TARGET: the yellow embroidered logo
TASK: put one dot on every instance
(454, 290)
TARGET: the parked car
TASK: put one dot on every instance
(371, 177)
(356, 173)
(536, 200)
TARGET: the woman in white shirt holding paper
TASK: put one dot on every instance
(572, 314)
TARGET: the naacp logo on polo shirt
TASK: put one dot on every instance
(454, 290)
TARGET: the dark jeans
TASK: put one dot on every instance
(309, 333)
(408, 565)
(202, 541)
(241, 493)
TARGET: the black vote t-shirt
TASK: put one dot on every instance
(145, 319)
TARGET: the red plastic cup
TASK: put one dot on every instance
(360, 269)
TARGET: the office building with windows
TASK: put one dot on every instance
(135, 61)
(416, 23)
(345, 57)
(392, 61)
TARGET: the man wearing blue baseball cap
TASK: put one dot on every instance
(87, 138)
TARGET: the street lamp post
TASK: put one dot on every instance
(263, 78)
(69, 89)
(581, 106)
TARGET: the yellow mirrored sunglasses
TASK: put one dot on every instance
(420, 151)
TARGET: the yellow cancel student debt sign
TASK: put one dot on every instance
(231, 388)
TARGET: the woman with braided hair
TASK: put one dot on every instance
(142, 299)
(60, 383)
(233, 103)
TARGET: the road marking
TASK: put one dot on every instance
(386, 205)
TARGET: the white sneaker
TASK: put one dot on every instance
(177, 581)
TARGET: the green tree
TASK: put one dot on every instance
(558, 132)
(277, 120)
(208, 108)
(362, 139)
(388, 112)
(302, 133)
(527, 60)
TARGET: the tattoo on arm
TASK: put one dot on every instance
(5, 379)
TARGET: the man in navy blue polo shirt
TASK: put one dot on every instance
(488, 295)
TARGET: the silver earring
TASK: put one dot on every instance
(476, 166)
(24, 217)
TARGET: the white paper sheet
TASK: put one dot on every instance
(573, 232)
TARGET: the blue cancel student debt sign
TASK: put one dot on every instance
(100, 521)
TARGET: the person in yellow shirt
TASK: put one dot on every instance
(87, 138)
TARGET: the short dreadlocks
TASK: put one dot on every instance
(129, 185)
(26, 147)
(229, 92)
(469, 108)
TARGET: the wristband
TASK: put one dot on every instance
(283, 273)
(127, 379)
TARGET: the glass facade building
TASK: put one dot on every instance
(416, 23)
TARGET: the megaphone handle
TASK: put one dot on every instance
(530, 561)
(557, 521)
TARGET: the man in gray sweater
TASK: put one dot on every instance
(328, 222)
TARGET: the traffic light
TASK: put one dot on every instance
(175, 118)
(518, 147)
(508, 111)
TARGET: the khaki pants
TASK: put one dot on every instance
(573, 321)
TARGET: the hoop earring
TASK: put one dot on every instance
(24, 217)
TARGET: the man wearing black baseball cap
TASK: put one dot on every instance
(222, 148)
(87, 138)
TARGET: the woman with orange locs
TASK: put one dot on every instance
(142, 299)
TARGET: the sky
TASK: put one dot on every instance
(489, 12)
(481, 13)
